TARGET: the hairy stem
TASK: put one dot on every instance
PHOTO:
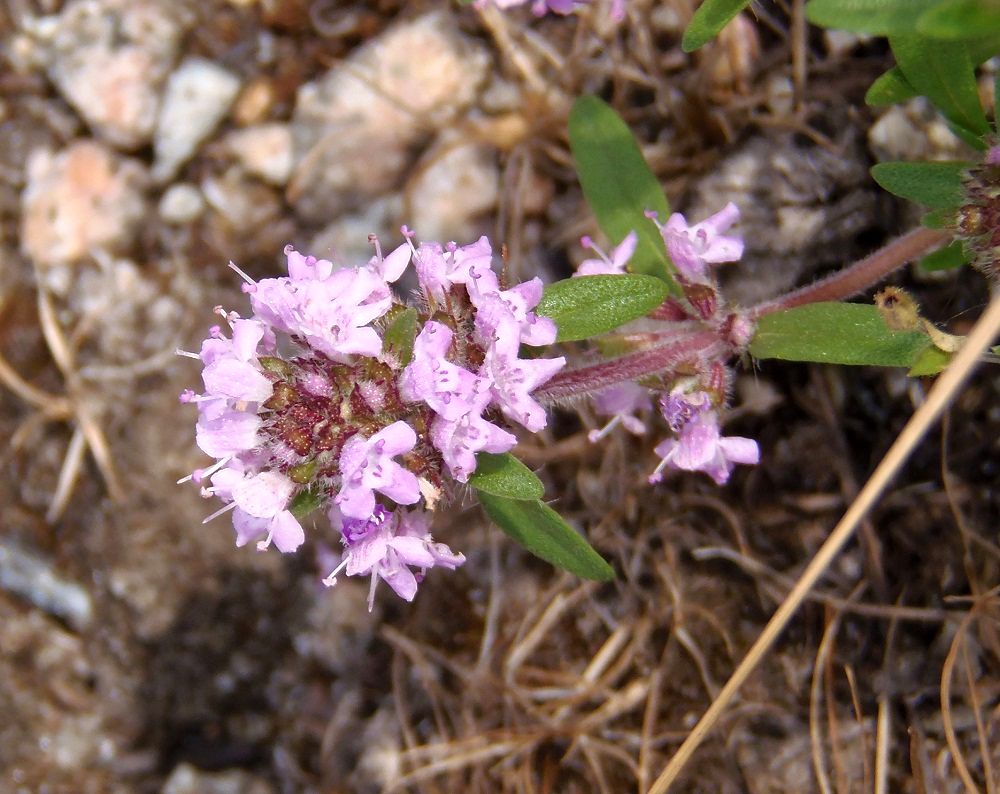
(861, 275)
(698, 345)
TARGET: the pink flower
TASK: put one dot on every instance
(231, 368)
(513, 379)
(700, 448)
(306, 267)
(391, 267)
(562, 7)
(259, 503)
(459, 440)
(604, 265)
(439, 269)
(302, 397)
(227, 433)
(366, 466)
(283, 529)
(386, 545)
(331, 315)
(621, 402)
(680, 407)
(493, 304)
(450, 390)
(693, 248)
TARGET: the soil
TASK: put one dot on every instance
(140, 651)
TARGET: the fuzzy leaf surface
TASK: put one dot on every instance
(504, 475)
(836, 333)
(304, 502)
(960, 19)
(591, 305)
(617, 183)
(881, 17)
(890, 88)
(943, 71)
(400, 334)
(543, 532)
(937, 185)
(951, 256)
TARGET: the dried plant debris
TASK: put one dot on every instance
(145, 144)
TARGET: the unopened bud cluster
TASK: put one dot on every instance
(979, 219)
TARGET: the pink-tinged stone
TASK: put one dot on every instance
(109, 59)
(264, 151)
(81, 199)
(354, 127)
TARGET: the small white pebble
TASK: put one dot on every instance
(197, 98)
(264, 150)
(181, 203)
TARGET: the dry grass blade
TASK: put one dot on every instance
(984, 748)
(948, 724)
(883, 724)
(883, 733)
(815, 726)
(939, 397)
(863, 732)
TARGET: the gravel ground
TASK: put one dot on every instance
(145, 143)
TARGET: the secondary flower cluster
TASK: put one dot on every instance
(333, 392)
(689, 403)
(562, 7)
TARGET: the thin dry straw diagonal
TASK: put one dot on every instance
(939, 397)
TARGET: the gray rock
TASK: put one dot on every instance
(109, 59)
(36, 580)
(457, 183)
(264, 150)
(914, 131)
(354, 127)
(197, 98)
(187, 779)
(181, 203)
(805, 205)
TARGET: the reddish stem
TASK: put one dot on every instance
(859, 276)
(698, 345)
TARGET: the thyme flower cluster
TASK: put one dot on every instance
(691, 396)
(334, 392)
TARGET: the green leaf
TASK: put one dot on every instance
(890, 88)
(836, 333)
(504, 475)
(932, 361)
(304, 502)
(951, 256)
(985, 47)
(543, 532)
(400, 333)
(881, 17)
(960, 19)
(935, 185)
(711, 17)
(943, 72)
(590, 305)
(617, 183)
(939, 219)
